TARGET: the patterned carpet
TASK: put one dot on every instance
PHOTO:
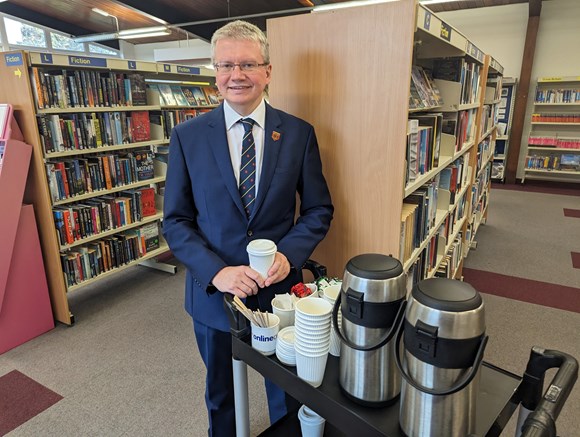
(525, 290)
(130, 365)
(22, 398)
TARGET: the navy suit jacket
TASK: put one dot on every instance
(204, 221)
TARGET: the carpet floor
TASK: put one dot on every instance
(130, 366)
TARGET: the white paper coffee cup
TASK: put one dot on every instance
(264, 338)
(261, 253)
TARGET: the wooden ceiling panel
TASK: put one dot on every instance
(79, 13)
(75, 17)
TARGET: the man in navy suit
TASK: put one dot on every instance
(208, 225)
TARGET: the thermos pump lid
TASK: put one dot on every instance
(374, 266)
(447, 295)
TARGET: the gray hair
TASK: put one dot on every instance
(241, 30)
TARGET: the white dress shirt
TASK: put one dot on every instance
(235, 132)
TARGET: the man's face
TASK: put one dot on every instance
(242, 89)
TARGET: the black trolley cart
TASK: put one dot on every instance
(500, 392)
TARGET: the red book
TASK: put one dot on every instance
(68, 226)
(148, 202)
(61, 167)
(140, 127)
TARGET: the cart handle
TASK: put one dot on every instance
(317, 270)
(239, 326)
(542, 421)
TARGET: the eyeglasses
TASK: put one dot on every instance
(246, 67)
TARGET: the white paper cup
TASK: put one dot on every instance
(311, 424)
(313, 288)
(334, 343)
(311, 368)
(331, 292)
(264, 339)
(286, 315)
(313, 308)
(261, 253)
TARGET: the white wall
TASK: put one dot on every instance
(146, 52)
(501, 31)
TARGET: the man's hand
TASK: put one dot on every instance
(279, 270)
(241, 281)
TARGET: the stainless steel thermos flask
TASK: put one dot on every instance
(444, 340)
(372, 302)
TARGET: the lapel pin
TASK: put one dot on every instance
(275, 136)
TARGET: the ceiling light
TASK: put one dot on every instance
(145, 34)
(100, 11)
(142, 30)
(432, 2)
(352, 4)
(96, 37)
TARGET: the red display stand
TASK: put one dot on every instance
(25, 310)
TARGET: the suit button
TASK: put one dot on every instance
(250, 233)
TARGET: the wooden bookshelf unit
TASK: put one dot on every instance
(349, 72)
(554, 140)
(96, 131)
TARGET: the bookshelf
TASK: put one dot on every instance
(504, 125)
(355, 75)
(553, 151)
(98, 132)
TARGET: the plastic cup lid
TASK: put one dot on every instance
(261, 247)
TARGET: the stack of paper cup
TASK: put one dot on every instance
(311, 424)
(330, 294)
(312, 338)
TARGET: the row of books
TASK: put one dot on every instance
(461, 125)
(483, 153)
(81, 131)
(565, 161)
(451, 259)
(557, 95)
(103, 213)
(493, 88)
(87, 88)
(463, 71)
(425, 197)
(479, 187)
(423, 144)
(481, 205)
(424, 92)
(427, 259)
(163, 122)
(488, 118)
(72, 177)
(556, 118)
(93, 259)
(560, 143)
(419, 210)
(408, 227)
(454, 177)
(182, 95)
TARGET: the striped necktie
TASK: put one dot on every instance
(247, 185)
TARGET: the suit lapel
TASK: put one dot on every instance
(273, 138)
(218, 140)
